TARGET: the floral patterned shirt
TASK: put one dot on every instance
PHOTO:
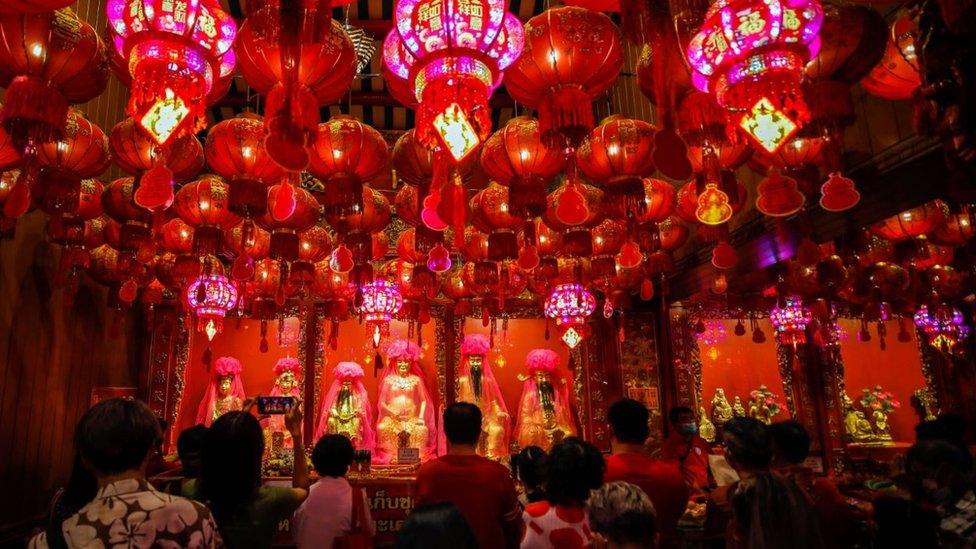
(131, 513)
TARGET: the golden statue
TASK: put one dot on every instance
(346, 409)
(287, 370)
(721, 409)
(225, 393)
(705, 426)
(476, 384)
(856, 426)
(924, 402)
(544, 410)
(737, 409)
(763, 405)
(405, 409)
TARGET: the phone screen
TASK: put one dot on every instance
(274, 405)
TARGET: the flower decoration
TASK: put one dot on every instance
(877, 399)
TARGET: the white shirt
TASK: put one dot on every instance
(327, 514)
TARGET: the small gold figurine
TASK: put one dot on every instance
(705, 426)
(721, 409)
(856, 426)
(737, 409)
(924, 401)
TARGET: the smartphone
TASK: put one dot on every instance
(274, 405)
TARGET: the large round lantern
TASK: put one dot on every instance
(119, 204)
(517, 157)
(617, 154)
(314, 245)
(136, 153)
(912, 223)
(492, 214)
(570, 305)
(380, 301)
(47, 60)
(575, 208)
(572, 56)
(173, 54)
(235, 151)
(347, 154)
(210, 297)
(205, 205)
(355, 230)
(897, 75)
(751, 55)
(81, 152)
(608, 237)
(284, 233)
(453, 53)
(249, 241)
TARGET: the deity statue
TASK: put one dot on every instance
(856, 426)
(544, 416)
(721, 409)
(346, 409)
(225, 393)
(705, 426)
(737, 409)
(762, 405)
(476, 384)
(924, 403)
(406, 417)
(287, 383)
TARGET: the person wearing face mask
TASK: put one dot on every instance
(687, 447)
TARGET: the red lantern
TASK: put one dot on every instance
(852, 41)
(574, 208)
(516, 156)
(205, 205)
(267, 290)
(347, 154)
(414, 163)
(897, 75)
(81, 152)
(912, 223)
(407, 205)
(957, 230)
(492, 214)
(14, 7)
(704, 126)
(248, 240)
(172, 55)
(355, 229)
(314, 245)
(47, 61)
(660, 201)
(608, 237)
(292, 53)
(284, 233)
(617, 154)
(9, 154)
(177, 238)
(68, 227)
(572, 56)
(235, 151)
(118, 202)
(672, 234)
(135, 152)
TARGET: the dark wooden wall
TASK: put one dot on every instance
(51, 355)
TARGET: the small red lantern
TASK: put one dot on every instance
(608, 237)
(912, 223)
(570, 305)
(492, 214)
(284, 233)
(211, 297)
(704, 126)
(119, 204)
(790, 321)
(81, 152)
(572, 56)
(247, 239)
(205, 205)
(347, 153)
(617, 154)
(897, 75)
(235, 151)
(516, 156)
(136, 153)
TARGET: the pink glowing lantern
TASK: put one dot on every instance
(790, 321)
(943, 326)
(210, 297)
(452, 52)
(570, 305)
(751, 54)
(175, 56)
(381, 300)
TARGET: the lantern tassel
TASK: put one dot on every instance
(33, 111)
(565, 116)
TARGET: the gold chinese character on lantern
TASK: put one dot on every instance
(790, 20)
(750, 23)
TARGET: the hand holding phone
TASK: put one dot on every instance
(274, 405)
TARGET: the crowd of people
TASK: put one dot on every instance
(571, 496)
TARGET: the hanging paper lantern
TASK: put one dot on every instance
(302, 60)
(211, 297)
(235, 151)
(897, 75)
(248, 240)
(790, 321)
(608, 239)
(356, 229)
(346, 154)
(957, 230)
(268, 291)
(852, 41)
(617, 154)
(778, 196)
(660, 201)
(491, 213)
(454, 54)
(47, 60)
(517, 157)
(703, 124)
(572, 56)
(751, 56)
(570, 305)
(944, 327)
(205, 205)
(81, 152)
(14, 7)
(380, 302)
(284, 232)
(118, 202)
(135, 153)
(573, 209)
(912, 223)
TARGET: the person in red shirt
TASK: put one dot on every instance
(687, 448)
(662, 481)
(481, 489)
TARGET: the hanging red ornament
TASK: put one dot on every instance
(284, 231)
(778, 196)
(517, 157)
(724, 256)
(617, 154)
(346, 154)
(235, 151)
(958, 228)
(838, 194)
(897, 75)
(356, 230)
(211, 297)
(573, 209)
(912, 223)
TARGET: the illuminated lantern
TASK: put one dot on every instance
(897, 75)
(211, 297)
(335, 288)
(235, 151)
(205, 205)
(47, 61)
(355, 230)
(314, 245)
(573, 209)
(492, 214)
(703, 124)
(517, 157)
(399, 88)
(572, 56)
(912, 223)
(751, 56)
(135, 153)
(929, 255)
(380, 302)
(944, 327)
(293, 53)
(957, 230)
(778, 196)
(608, 237)
(660, 201)
(13, 7)
(267, 289)
(790, 320)
(174, 53)
(9, 154)
(248, 240)
(672, 234)
(118, 202)
(570, 305)
(284, 233)
(701, 201)
(617, 154)
(68, 227)
(852, 41)
(454, 54)
(103, 265)
(407, 205)
(81, 152)
(347, 153)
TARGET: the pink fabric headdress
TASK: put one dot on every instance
(475, 344)
(545, 360)
(287, 364)
(228, 366)
(348, 371)
(403, 348)
(224, 366)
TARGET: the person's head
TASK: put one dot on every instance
(117, 436)
(748, 446)
(791, 443)
(628, 421)
(332, 455)
(622, 515)
(530, 466)
(938, 471)
(189, 446)
(462, 424)
(436, 526)
(682, 420)
(573, 468)
(231, 464)
(948, 427)
(771, 511)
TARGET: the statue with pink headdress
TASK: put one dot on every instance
(476, 384)
(544, 415)
(288, 371)
(405, 411)
(346, 409)
(225, 392)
